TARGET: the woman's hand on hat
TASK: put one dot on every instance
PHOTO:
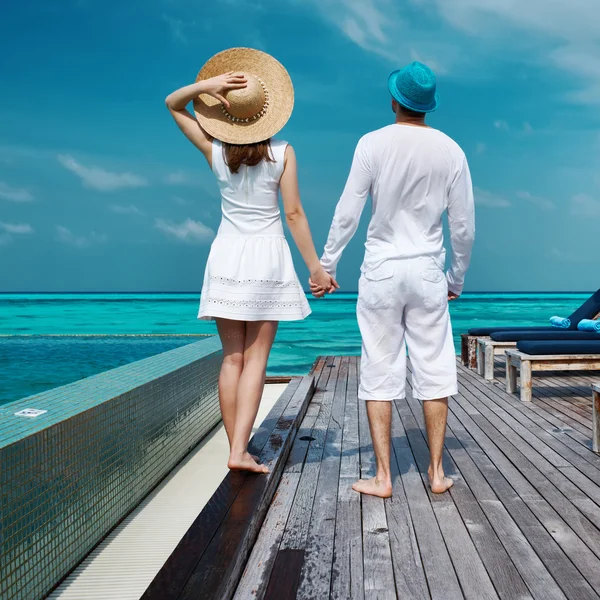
(218, 86)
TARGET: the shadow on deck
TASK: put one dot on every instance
(522, 520)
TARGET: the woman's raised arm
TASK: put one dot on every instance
(177, 103)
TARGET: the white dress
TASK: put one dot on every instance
(250, 275)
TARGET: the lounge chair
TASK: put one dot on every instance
(590, 309)
(499, 343)
(569, 355)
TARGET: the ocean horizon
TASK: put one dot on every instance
(49, 339)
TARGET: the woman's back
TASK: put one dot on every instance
(250, 197)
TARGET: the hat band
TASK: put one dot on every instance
(257, 116)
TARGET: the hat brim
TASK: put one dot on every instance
(403, 101)
(277, 81)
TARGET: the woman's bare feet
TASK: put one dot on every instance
(374, 487)
(246, 462)
(439, 483)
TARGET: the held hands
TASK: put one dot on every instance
(452, 296)
(322, 283)
(218, 86)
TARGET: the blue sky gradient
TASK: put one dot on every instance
(99, 190)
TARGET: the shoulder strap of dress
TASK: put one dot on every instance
(218, 161)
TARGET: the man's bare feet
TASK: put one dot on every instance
(374, 487)
(246, 463)
(439, 484)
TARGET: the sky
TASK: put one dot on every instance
(99, 191)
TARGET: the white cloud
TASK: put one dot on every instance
(503, 125)
(100, 179)
(181, 201)
(489, 199)
(527, 128)
(177, 178)
(583, 205)
(549, 33)
(66, 236)
(543, 203)
(188, 231)
(125, 210)
(7, 230)
(14, 194)
(177, 28)
(480, 148)
(16, 228)
(378, 27)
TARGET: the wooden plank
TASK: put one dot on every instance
(596, 417)
(315, 580)
(409, 574)
(541, 474)
(547, 428)
(285, 578)
(439, 570)
(170, 580)
(377, 556)
(503, 573)
(472, 574)
(296, 530)
(554, 539)
(217, 573)
(472, 351)
(255, 579)
(482, 478)
(464, 348)
(347, 579)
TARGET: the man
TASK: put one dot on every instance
(414, 174)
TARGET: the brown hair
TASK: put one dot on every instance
(247, 154)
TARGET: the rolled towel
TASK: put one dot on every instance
(589, 325)
(560, 322)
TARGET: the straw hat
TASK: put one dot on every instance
(257, 112)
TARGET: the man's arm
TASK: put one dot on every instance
(349, 209)
(461, 219)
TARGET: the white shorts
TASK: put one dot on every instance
(405, 303)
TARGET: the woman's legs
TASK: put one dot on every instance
(233, 340)
(258, 342)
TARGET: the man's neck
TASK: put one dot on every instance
(412, 121)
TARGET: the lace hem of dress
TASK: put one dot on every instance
(254, 303)
(268, 283)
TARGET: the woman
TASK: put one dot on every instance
(242, 98)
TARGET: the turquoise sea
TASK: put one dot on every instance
(33, 359)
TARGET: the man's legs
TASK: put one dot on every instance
(436, 414)
(380, 424)
(433, 358)
(382, 369)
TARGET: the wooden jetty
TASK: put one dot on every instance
(522, 520)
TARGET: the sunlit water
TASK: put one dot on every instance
(29, 366)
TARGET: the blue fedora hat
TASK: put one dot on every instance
(414, 87)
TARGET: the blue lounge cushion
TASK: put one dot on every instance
(557, 347)
(588, 310)
(490, 330)
(557, 334)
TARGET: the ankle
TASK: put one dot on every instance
(383, 477)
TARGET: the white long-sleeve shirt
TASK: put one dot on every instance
(413, 174)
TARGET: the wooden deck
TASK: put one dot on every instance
(522, 520)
